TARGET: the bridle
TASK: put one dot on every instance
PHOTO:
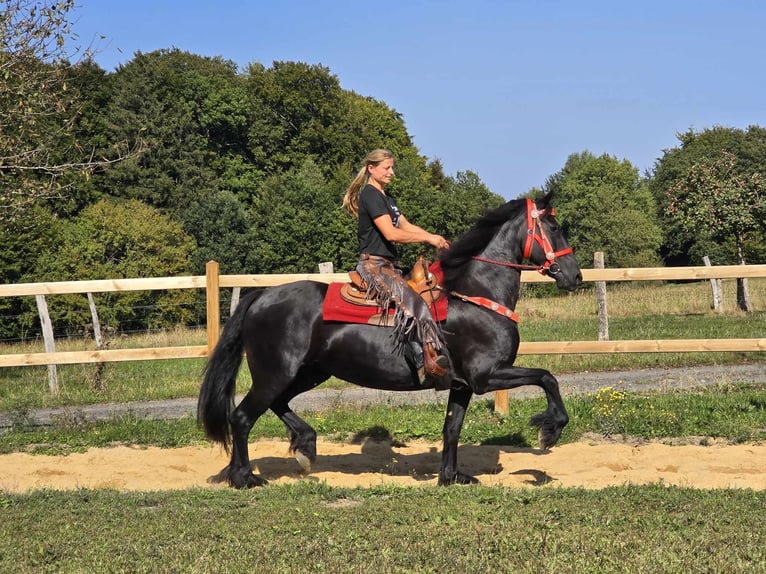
(535, 234)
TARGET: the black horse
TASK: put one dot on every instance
(290, 349)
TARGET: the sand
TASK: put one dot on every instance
(592, 463)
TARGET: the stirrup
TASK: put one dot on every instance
(436, 365)
(440, 382)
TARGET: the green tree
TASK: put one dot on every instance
(294, 110)
(298, 222)
(110, 240)
(463, 201)
(23, 243)
(220, 225)
(603, 205)
(683, 247)
(299, 111)
(191, 115)
(715, 199)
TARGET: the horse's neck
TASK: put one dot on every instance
(489, 274)
(496, 282)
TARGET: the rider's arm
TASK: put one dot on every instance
(408, 232)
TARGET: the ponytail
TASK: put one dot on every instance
(351, 199)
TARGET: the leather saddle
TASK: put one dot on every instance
(420, 279)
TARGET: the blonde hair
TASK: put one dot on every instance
(351, 199)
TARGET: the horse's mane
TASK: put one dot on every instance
(476, 239)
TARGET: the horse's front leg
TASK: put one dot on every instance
(303, 438)
(457, 405)
(552, 421)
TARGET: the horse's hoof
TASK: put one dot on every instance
(459, 478)
(542, 442)
(304, 461)
(547, 439)
(249, 481)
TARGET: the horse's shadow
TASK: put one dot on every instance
(378, 455)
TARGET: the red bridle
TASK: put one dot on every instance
(535, 233)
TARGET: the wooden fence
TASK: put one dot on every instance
(213, 282)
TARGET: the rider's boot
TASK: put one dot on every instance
(435, 365)
(431, 367)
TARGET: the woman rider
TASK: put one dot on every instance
(380, 226)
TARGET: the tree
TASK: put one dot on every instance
(191, 114)
(38, 106)
(715, 199)
(298, 222)
(220, 224)
(682, 247)
(463, 201)
(111, 240)
(604, 206)
(23, 242)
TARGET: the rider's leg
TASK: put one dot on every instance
(413, 320)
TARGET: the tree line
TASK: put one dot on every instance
(174, 159)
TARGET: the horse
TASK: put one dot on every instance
(291, 349)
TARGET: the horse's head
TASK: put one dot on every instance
(520, 230)
(546, 247)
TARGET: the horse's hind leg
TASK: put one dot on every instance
(303, 438)
(239, 473)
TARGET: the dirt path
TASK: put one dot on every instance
(589, 464)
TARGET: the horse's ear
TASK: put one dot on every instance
(545, 202)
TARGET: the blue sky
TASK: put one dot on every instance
(506, 89)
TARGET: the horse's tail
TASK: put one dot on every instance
(216, 396)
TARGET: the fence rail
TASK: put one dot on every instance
(213, 282)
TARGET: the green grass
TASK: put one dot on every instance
(735, 412)
(314, 528)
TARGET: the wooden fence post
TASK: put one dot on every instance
(212, 301)
(96, 322)
(502, 405)
(50, 344)
(603, 314)
(98, 375)
(235, 293)
(715, 285)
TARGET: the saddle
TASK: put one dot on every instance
(420, 279)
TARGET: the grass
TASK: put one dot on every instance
(315, 528)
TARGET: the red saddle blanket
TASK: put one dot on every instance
(335, 308)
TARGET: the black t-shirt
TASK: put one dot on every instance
(373, 204)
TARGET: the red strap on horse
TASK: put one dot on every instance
(488, 304)
(537, 233)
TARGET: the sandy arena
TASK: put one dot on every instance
(591, 464)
